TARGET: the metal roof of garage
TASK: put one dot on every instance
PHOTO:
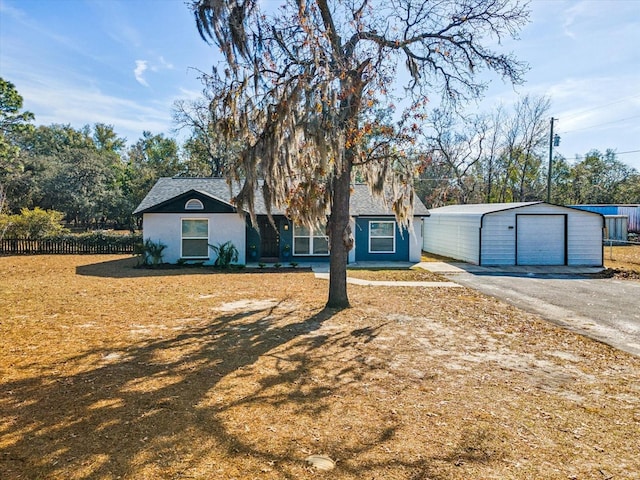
(479, 208)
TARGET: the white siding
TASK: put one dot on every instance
(453, 236)
(167, 228)
(499, 238)
(415, 240)
(351, 256)
(584, 237)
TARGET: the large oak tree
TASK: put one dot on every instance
(302, 88)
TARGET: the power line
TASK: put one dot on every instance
(580, 112)
(600, 124)
(582, 157)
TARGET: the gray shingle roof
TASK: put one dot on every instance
(167, 188)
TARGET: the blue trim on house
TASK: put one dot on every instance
(253, 242)
(285, 243)
(177, 204)
(401, 253)
(285, 229)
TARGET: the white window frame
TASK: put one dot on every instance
(311, 238)
(392, 236)
(194, 204)
(182, 238)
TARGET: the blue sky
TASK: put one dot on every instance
(125, 62)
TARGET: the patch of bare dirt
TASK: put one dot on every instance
(620, 273)
(111, 372)
(622, 261)
(396, 275)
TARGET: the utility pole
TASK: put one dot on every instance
(553, 141)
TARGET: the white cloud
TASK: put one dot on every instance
(80, 105)
(575, 11)
(141, 67)
(165, 64)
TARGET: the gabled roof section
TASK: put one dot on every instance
(479, 208)
(168, 189)
(177, 204)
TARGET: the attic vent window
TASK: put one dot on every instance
(194, 204)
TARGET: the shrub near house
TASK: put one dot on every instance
(36, 223)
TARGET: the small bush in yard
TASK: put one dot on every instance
(32, 224)
(151, 252)
(227, 254)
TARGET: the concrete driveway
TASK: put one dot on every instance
(607, 310)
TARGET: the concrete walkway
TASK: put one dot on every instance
(446, 268)
(389, 283)
(321, 270)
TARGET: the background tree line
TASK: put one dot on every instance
(96, 180)
(90, 174)
(504, 156)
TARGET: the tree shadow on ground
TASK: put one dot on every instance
(130, 406)
(156, 409)
(129, 268)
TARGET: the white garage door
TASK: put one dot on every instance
(540, 239)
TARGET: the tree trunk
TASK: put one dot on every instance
(341, 239)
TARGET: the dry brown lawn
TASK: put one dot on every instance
(111, 372)
(623, 259)
(396, 275)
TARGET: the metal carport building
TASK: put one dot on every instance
(526, 233)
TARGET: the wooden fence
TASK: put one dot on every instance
(74, 246)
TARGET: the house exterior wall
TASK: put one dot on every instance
(362, 250)
(351, 256)
(167, 228)
(285, 230)
(453, 236)
(415, 240)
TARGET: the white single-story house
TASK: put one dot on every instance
(527, 233)
(189, 214)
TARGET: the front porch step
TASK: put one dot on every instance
(269, 259)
